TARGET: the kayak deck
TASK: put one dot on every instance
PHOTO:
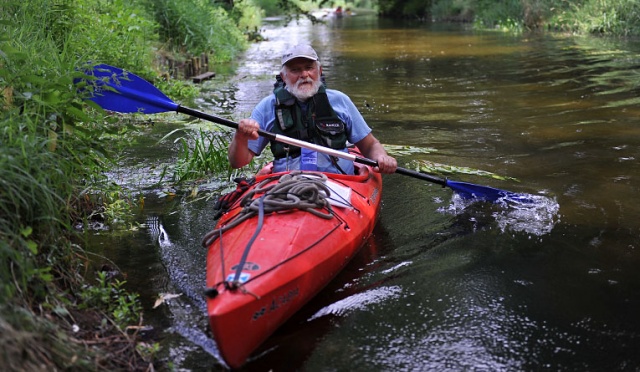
(282, 252)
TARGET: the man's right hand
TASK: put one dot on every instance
(248, 129)
(239, 153)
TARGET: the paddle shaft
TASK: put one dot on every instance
(128, 93)
(310, 146)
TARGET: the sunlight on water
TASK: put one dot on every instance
(157, 232)
(359, 301)
(537, 218)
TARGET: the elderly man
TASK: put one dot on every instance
(304, 109)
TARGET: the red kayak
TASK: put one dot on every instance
(278, 245)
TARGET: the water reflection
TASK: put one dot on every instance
(157, 232)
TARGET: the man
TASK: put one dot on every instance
(304, 109)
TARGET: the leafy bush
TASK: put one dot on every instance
(115, 32)
(613, 17)
(110, 296)
(247, 15)
(196, 26)
(269, 7)
(505, 14)
(45, 155)
(52, 150)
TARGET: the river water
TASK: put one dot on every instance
(440, 286)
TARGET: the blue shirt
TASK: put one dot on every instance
(357, 129)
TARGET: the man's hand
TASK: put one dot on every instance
(386, 164)
(239, 153)
(373, 149)
(247, 130)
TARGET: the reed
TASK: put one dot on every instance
(201, 154)
(196, 26)
(50, 152)
(52, 157)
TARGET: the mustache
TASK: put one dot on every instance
(303, 81)
(306, 92)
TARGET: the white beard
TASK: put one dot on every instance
(305, 92)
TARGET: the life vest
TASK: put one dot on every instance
(321, 125)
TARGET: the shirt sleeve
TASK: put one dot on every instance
(357, 127)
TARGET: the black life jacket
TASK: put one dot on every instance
(320, 125)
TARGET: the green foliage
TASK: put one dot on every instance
(196, 26)
(178, 89)
(460, 10)
(269, 7)
(444, 169)
(201, 155)
(613, 17)
(113, 299)
(54, 149)
(247, 15)
(115, 32)
(606, 17)
(44, 155)
(507, 15)
(115, 209)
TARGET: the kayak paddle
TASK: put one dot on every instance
(122, 91)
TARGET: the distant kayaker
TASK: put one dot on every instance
(304, 109)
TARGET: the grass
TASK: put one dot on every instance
(201, 154)
(52, 156)
(601, 17)
(52, 161)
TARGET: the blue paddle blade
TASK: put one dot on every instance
(119, 91)
(465, 190)
(471, 191)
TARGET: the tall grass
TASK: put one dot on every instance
(602, 17)
(201, 154)
(196, 26)
(50, 144)
(51, 153)
(43, 156)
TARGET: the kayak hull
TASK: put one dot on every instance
(292, 256)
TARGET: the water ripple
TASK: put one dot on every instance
(532, 214)
(359, 301)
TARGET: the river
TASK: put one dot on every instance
(439, 286)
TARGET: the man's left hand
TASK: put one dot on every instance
(386, 164)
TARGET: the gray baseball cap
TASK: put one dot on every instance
(299, 51)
